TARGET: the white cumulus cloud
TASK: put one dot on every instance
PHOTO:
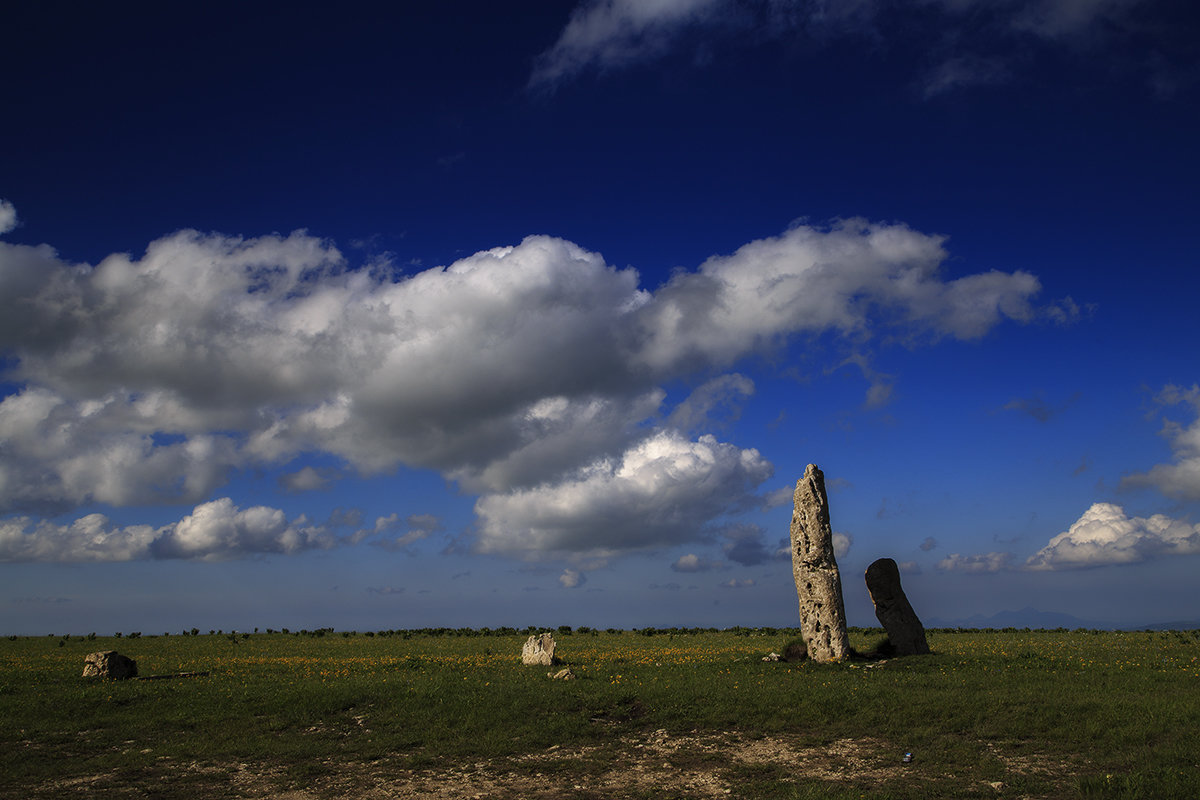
(1106, 535)
(508, 368)
(572, 578)
(841, 544)
(659, 492)
(529, 373)
(58, 454)
(214, 531)
(843, 279)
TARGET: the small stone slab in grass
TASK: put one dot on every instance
(109, 664)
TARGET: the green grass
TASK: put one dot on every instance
(1042, 714)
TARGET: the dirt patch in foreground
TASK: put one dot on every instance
(696, 765)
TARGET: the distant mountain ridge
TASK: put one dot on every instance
(1029, 617)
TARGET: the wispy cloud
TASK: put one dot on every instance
(1038, 408)
(714, 404)
(879, 392)
(1181, 478)
(973, 42)
(607, 34)
(778, 497)
(747, 545)
(397, 534)
(736, 583)
(986, 562)
(690, 562)
(960, 72)
(307, 479)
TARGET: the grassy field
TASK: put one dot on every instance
(1025, 714)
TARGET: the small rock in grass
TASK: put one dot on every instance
(538, 650)
(109, 664)
(561, 675)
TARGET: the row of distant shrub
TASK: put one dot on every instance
(408, 633)
(583, 630)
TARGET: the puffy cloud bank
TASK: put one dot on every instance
(214, 531)
(659, 493)
(1105, 535)
(530, 374)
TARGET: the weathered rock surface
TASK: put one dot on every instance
(538, 650)
(904, 630)
(109, 664)
(561, 675)
(818, 582)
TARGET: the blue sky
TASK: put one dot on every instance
(481, 315)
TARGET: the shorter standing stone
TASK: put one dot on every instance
(109, 664)
(538, 650)
(904, 630)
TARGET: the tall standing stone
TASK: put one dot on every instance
(818, 582)
(904, 630)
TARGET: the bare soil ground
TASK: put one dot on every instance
(699, 766)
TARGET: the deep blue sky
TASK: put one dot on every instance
(262, 371)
